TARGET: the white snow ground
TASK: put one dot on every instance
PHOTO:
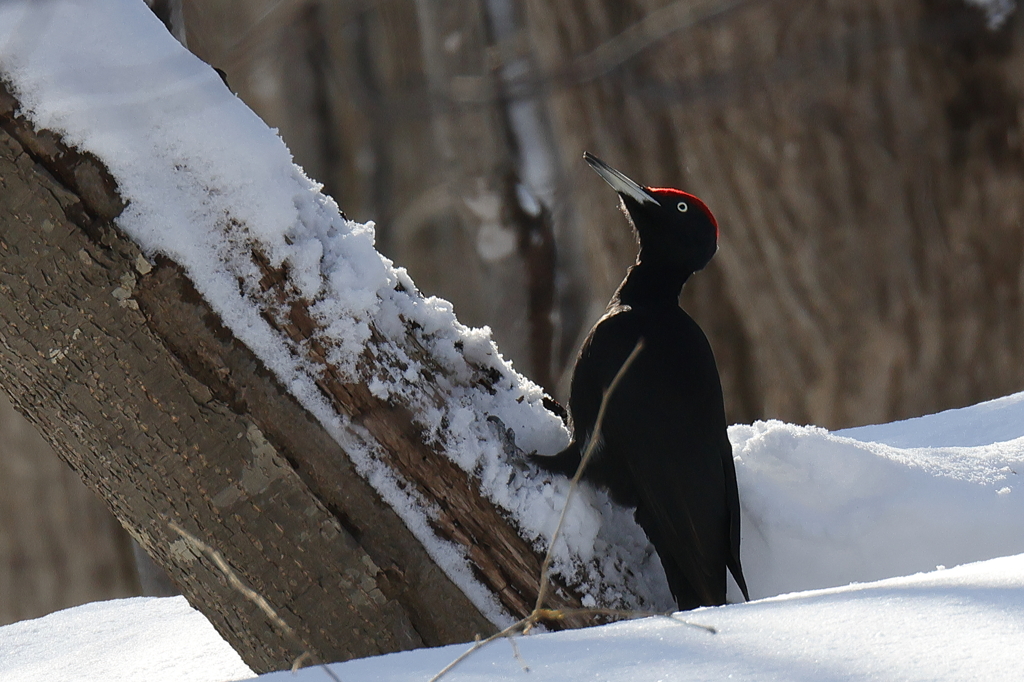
(827, 507)
(963, 623)
(141, 640)
(821, 509)
(993, 421)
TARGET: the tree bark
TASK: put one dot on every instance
(131, 378)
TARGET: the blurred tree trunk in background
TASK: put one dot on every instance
(59, 546)
(863, 158)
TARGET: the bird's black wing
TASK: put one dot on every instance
(666, 425)
(602, 354)
(682, 505)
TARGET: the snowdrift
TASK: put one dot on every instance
(964, 623)
(821, 508)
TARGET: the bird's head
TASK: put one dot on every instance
(675, 228)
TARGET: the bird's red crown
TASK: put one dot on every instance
(672, 192)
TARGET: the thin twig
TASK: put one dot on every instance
(479, 644)
(255, 597)
(592, 442)
(546, 615)
(624, 614)
(518, 655)
(539, 613)
(297, 663)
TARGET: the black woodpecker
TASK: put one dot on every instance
(663, 445)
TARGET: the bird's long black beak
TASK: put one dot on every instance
(619, 182)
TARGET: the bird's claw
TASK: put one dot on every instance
(514, 455)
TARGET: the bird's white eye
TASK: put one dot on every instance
(683, 208)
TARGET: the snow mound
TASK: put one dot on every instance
(123, 640)
(992, 421)
(965, 623)
(821, 510)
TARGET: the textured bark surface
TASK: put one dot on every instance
(134, 383)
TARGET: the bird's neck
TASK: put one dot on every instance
(648, 283)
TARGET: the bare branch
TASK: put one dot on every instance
(651, 29)
(254, 597)
(592, 442)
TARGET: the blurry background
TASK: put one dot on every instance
(863, 157)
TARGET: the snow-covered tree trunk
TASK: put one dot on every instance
(401, 112)
(137, 385)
